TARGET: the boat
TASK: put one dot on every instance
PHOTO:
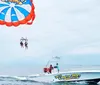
(89, 76)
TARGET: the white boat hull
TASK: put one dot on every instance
(86, 75)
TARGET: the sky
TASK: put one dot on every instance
(66, 28)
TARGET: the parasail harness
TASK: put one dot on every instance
(24, 42)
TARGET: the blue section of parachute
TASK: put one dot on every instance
(1, 5)
(22, 10)
(13, 15)
(3, 13)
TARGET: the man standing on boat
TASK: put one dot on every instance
(50, 69)
(57, 67)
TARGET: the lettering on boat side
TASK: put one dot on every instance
(67, 76)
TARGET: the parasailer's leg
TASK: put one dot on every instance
(26, 47)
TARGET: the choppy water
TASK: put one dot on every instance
(37, 83)
(9, 80)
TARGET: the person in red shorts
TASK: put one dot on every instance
(50, 69)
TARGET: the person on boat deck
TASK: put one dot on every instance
(57, 67)
(50, 69)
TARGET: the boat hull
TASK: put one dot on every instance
(67, 76)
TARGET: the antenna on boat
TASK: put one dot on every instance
(53, 59)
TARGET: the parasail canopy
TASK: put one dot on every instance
(16, 12)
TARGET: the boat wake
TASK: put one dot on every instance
(15, 78)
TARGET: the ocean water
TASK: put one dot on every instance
(9, 80)
(38, 83)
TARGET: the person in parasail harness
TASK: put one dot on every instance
(26, 44)
(21, 44)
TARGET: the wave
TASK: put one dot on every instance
(15, 78)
